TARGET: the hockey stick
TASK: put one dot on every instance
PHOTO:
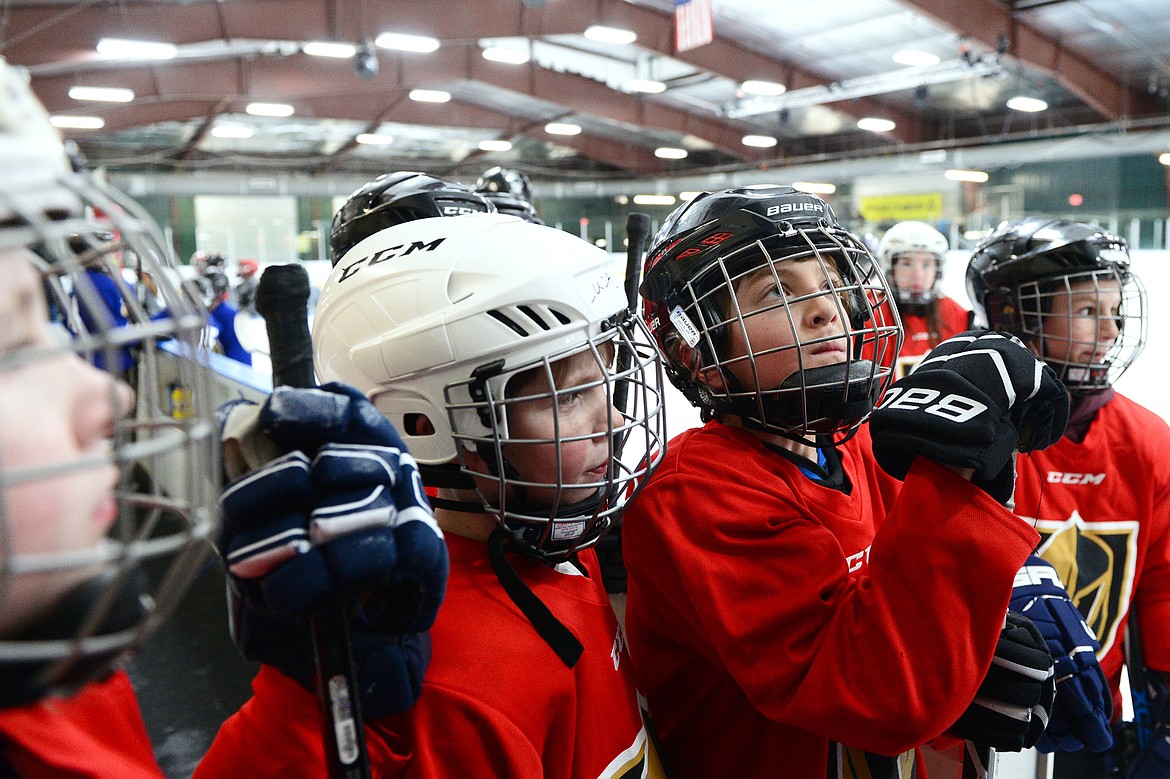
(282, 299)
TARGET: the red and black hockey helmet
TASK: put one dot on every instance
(712, 243)
(1018, 271)
(395, 198)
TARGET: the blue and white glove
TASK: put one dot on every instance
(341, 518)
(1084, 702)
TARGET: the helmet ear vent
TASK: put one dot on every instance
(529, 320)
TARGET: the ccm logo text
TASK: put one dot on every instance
(1057, 477)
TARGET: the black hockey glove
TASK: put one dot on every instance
(1084, 702)
(1014, 702)
(340, 519)
(973, 402)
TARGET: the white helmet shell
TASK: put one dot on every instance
(905, 238)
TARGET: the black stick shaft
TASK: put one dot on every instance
(282, 298)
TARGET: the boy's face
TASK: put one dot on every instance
(1083, 323)
(580, 415)
(915, 272)
(55, 410)
(792, 321)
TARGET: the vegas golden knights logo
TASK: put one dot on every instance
(1096, 563)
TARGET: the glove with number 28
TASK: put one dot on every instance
(973, 402)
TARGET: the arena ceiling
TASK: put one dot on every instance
(1100, 65)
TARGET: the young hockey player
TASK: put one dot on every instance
(1100, 497)
(792, 609)
(913, 255)
(505, 352)
(95, 554)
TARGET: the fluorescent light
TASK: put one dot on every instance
(507, 56)
(603, 34)
(759, 141)
(77, 122)
(974, 235)
(375, 139)
(329, 49)
(654, 200)
(562, 128)
(122, 48)
(102, 94)
(1029, 104)
(916, 59)
(269, 109)
(688, 196)
(932, 156)
(644, 85)
(421, 44)
(977, 176)
(1164, 158)
(492, 145)
(232, 131)
(763, 88)
(670, 153)
(814, 187)
(875, 125)
(429, 95)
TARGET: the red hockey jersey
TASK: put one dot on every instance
(769, 615)
(953, 320)
(1102, 507)
(96, 734)
(496, 701)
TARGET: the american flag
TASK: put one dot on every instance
(692, 24)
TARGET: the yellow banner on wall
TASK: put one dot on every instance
(926, 206)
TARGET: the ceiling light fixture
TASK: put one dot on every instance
(875, 125)
(763, 88)
(670, 153)
(269, 109)
(494, 145)
(975, 176)
(102, 94)
(419, 44)
(1164, 158)
(1029, 105)
(759, 141)
(814, 187)
(688, 196)
(562, 128)
(329, 49)
(374, 139)
(506, 56)
(648, 86)
(614, 35)
(916, 59)
(654, 200)
(122, 48)
(429, 96)
(232, 131)
(77, 122)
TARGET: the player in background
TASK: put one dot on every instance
(244, 293)
(792, 608)
(1100, 496)
(505, 352)
(217, 294)
(913, 256)
(510, 192)
(95, 552)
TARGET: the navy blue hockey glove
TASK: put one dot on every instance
(973, 402)
(1014, 702)
(341, 518)
(1084, 702)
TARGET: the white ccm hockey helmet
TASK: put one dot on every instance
(94, 553)
(434, 318)
(904, 238)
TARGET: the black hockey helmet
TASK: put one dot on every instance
(1023, 266)
(510, 182)
(395, 198)
(710, 244)
(512, 205)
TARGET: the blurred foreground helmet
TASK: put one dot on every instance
(395, 198)
(507, 181)
(1033, 277)
(74, 600)
(481, 313)
(912, 238)
(702, 255)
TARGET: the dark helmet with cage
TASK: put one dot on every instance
(511, 205)
(487, 334)
(395, 198)
(1031, 276)
(906, 239)
(834, 364)
(101, 537)
(507, 181)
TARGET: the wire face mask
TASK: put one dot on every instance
(107, 500)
